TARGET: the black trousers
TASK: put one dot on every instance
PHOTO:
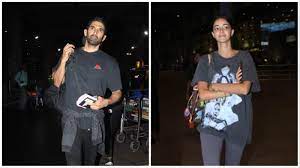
(112, 125)
(83, 152)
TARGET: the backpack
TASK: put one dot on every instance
(53, 97)
(194, 111)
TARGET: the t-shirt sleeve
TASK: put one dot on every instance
(201, 73)
(114, 78)
(249, 72)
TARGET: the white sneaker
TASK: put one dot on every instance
(109, 163)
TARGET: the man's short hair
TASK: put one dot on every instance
(98, 19)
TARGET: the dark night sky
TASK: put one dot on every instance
(59, 23)
(65, 22)
(164, 15)
(177, 27)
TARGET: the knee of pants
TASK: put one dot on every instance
(211, 147)
(233, 153)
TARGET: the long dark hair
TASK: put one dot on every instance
(234, 40)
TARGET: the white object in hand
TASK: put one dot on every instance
(85, 100)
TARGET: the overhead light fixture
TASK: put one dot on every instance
(146, 33)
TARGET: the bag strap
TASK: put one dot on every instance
(76, 76)
(210, 65)
(75, 73)
(195, 91)
(76, 81)
(72, 62)
(195, 88)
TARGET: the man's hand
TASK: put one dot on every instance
(99, 104)
(59, 73)
(67, 52)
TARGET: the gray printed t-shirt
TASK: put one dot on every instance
(239, 132)
(96, 72)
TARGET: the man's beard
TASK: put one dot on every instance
(93, 40)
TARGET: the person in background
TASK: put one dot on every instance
(22, 80)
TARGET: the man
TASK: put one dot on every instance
(86, 70)
(22, 80)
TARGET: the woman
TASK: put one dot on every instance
(217, 83)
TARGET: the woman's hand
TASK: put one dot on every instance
(239, 75)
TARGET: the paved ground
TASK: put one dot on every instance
(34, 138)
(274, 132)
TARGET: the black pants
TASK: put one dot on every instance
(112, 125)
(82, 149)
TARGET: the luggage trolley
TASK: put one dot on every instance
(135, 119)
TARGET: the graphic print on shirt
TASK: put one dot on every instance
(218, 112)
